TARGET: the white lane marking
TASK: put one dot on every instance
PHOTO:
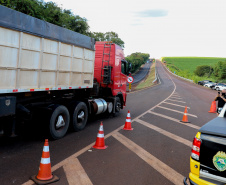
(176, 105)
(176, 101)
(176, 97)
(166, 133)
(177, 111)
(158, 165)
(160, 102)
(76, 174)
(175, 120)
(175, 94)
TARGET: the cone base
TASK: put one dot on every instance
(185, 121)
(40, 182)
(100, 147)
(127, 128)
(212, 112)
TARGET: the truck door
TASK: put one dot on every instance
(123, 78)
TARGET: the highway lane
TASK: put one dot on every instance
(156, 152)
(142, 73)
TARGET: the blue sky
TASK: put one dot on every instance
(159, 27)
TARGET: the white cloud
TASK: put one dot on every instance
(152, 13)
(186, 28)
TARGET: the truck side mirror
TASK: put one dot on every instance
(129, 68)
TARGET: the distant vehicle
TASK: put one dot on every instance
(220, 87)
(204, 82)
(210, 84)
(214, 86)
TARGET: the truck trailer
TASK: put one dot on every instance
(55, 75)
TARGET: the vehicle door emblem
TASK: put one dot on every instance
(7, 103)
(219, 161)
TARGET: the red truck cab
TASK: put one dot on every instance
(111, 69)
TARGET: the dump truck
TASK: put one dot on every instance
(57, 76)
(208, 154)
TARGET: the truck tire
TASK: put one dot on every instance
(118, 106)
(79, 116)
(59, 122)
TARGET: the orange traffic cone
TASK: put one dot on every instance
(213, 107)
(45, 175)
(100, 138)
(185, 117)
(128, 122)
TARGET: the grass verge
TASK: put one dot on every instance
(147, 82)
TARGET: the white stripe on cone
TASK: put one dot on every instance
(46, 149)
(100, 135)
(128, 120)
(101, 128)
(128, 114)
(45, 160)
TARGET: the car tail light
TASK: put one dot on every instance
(195, 152)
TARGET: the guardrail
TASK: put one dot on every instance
(156, 75)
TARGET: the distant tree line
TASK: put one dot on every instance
(137, 59)
(218, 70)
(50, 12)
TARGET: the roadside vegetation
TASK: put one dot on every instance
(137, 59)
(198, 68)
(149, 80)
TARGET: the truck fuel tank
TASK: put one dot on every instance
(100, 106)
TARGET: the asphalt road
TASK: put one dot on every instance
(157, 151)
(142, 73)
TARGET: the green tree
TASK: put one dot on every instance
(203, 70)
(49, 12)
(220, 70)
(137, 59)
(108, 36)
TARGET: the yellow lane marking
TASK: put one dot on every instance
(176, 105)
(177, 111)
(166, 133)
(155, 163)
(175, 120)
(176, 101)
(76, 174)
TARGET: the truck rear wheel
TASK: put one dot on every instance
(79, 116)
(59, 122)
